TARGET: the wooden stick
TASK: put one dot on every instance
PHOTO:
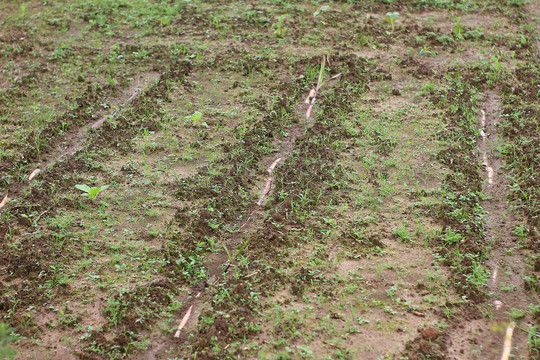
(33, 174)
(250, 275)
(508, 341)
(4, 202)
(483, 119)
(273, 166)
(268, 183)
(183, 322)
(312, 100)
(266, 190)
(311, 95)
(249, 218)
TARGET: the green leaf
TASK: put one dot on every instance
(458, 29)
(321, 72)
(84, 188)
(93, 193)
(392, 16)
(196, 117)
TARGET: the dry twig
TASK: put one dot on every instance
(508, 341)
(4, 202)
(183, 322)
(34, 174)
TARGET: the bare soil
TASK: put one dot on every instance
(399, 220)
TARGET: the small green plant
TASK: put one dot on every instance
(496, 65)
(23, 8)
(280, 27)
(196, 119)
(458, 29)
(66, 319)
(391, 18)
(402, 234)
(231, 259)
(534, 342)
(425, 51)
(89, 192)
(521, 231)
(516, 313)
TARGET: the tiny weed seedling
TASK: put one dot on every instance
(458, 29)
(280, 27)
(496, 65)
(196, 119)
(23, 9)
(391, 18)
(91, 193)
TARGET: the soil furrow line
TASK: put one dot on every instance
(506, 262)
(221, 263)
(76, 141)
(216, 266)
(76, 138)
(506, 265)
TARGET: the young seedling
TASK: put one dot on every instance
(313, 93)
(23, 8)
(496, 65)
(458, 29)
(391, 18)
(89, 192)
(280, 27)
(196, 118)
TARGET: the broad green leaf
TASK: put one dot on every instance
(84, 188)
(196, 117)
(392, 16)
(93, 193)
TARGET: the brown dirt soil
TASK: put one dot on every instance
(385, 230)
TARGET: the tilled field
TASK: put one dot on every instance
(269, 180)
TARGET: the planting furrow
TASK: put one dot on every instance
(508, 301)
(76, 141)
(57, 251)
(303, 183)
(287, 130)
(235, 244)
(75, 138)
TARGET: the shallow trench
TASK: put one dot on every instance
(76, 138)
(484, 338)
(219, 263)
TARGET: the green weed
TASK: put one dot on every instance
(91, 192)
